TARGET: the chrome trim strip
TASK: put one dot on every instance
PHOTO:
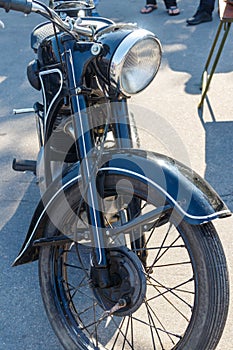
(166, 194)
(41, 74)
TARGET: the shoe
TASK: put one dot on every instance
(199, 17)
(149, 8)
(173, 11)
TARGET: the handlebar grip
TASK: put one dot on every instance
(24, 6)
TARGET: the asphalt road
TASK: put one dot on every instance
(168, 120)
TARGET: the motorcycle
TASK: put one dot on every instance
(128, 255)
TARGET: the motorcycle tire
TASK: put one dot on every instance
(179, 292)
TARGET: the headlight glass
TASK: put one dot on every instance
(136, 62)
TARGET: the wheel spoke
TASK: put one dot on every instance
(75, 267)
(76, 289)
(158, 257)
(156, 248)
(162, 329)
(126, 332)
(171, 290)
(172, 264)
(150, 319)
(163, 242)
(132, 332)
(156, 328)
(120, 332)
(96, 326)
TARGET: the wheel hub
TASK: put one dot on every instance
(128, 282)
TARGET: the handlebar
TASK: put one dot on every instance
(24, 6)
(28, 6)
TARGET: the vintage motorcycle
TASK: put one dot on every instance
(128, 255)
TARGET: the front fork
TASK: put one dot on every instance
(119, 111)
(84, 140)
(88, 168)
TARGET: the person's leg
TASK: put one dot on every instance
(151, 2)
(169, 3)
(95, 11)
(207, 6)
(203, 14)
(150, 6)
(172, 7)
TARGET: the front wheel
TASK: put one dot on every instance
(178, 291)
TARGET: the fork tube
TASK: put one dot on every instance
(85, 146)
(119, 111)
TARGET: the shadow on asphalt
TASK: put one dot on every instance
(218, 155)
(22, 318)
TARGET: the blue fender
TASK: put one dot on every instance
(192, 198)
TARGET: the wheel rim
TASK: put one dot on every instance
(164, 314)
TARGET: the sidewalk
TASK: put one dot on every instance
(203, 141)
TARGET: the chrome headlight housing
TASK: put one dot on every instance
(135, 61)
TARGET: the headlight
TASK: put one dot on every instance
(136, 61)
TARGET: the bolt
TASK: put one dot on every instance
(78, 90)
(95, 49)
(122, 303)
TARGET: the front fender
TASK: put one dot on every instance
(190, 195)
(193, 199)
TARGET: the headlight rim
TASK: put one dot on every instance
(120, 55)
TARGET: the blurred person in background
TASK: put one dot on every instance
(95, 12)
(171, 7)
(203, 13)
